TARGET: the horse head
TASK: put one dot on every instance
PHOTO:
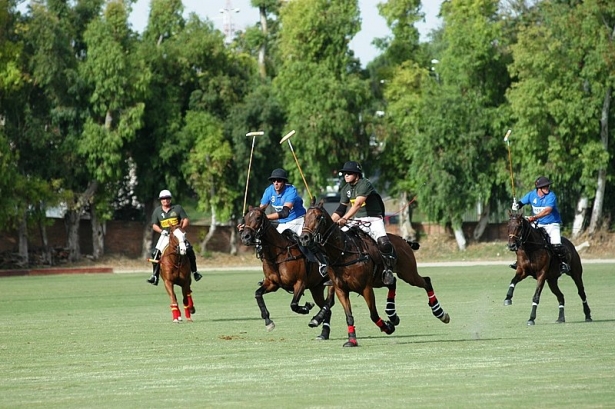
(255, 224)
(517, 230)
(316, 224)
(177, 239)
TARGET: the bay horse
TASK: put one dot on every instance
(356, 265)
(175, 270)
(286, 266)
(536, 258)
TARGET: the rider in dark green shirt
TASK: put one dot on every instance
(164, 217)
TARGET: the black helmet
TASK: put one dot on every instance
(542, 181)
(279, 174)
(352, 167)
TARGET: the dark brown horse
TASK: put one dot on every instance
(175, 270)
(536, 258)
(286, 266)
(356, 265)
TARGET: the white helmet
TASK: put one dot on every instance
(164, 194)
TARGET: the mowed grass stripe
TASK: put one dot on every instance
(107, 341)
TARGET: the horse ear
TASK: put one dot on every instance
(313, 201)
(321, 203)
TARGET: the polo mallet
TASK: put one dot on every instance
(245, 196)
(512, 180)
(287, 138)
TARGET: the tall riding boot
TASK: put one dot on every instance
(390, 259)
(562, 254)
(192, 258)
(155, 268)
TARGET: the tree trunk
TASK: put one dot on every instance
(262, 51)
(98, 235)
(579, 217)
(459, 236)
(23, 240)
(233, 239)
(211, 231)
(483, 221)
(405, 218)
(148, 233)
(47, 257)
(596, 218)
(72, 228)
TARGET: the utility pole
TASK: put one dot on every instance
(227, 20)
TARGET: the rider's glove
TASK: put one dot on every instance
(515, 206)
(164, 233)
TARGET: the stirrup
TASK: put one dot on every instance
(564, 268)
(197, 276)
(513, 265)
(322, 269)
(153, 279)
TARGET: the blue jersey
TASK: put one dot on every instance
(288, 195)
(538, 203)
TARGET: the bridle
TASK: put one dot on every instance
(524, 233)
(259, 232)
(320, 238)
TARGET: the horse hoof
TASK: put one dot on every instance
(560, 321)
(390, 328)
(531, 322)
(270, 327)
(507, 302)
(352, 343)
(322, 337)
(445, 318)
(192, 310)
(177, 321)
(394, 320)
(589, 319)
(314, 323)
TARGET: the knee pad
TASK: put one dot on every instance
(384, 245)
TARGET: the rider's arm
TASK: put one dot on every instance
(545, 211)
(358, 202)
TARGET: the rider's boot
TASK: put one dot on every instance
(192, 258)
(562, 254)
(155, 268)
(513, 265)
(390, 259)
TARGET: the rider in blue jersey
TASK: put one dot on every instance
(284, 198)
(546, 214)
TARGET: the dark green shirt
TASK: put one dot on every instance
(373, 204)
(167, 219)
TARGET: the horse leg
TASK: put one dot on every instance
(176, 314)
(390, 310)
(511, 289)
(345, 301)
(324, 315)
(578, 281)
(540, 283)
(294, 303)
(269, 324)
(385, 326)
(188, 303)
(560, 299)
(434, 304)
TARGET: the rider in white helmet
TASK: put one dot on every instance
(163, 218)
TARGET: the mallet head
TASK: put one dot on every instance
(287, 136)
(256, 133)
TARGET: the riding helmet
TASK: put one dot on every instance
(352, 167)
(279, 174)
(542, 181)
(165, 194)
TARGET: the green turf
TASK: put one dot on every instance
(77, 341)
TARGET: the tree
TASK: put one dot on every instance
(320, 85)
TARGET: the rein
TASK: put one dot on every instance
(525, 233)
(259, 235)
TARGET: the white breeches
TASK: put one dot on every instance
(163, 241)
(553, 230)
(374, 226)
(294, 225)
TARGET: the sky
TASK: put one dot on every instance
(373, 25)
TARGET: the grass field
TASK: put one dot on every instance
(78, 341)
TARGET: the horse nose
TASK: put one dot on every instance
(512, 246)
(246, 237)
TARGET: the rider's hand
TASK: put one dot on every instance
(342, 221)
(515, 206)
(164, 233)
(531, 219)
(240, 227)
